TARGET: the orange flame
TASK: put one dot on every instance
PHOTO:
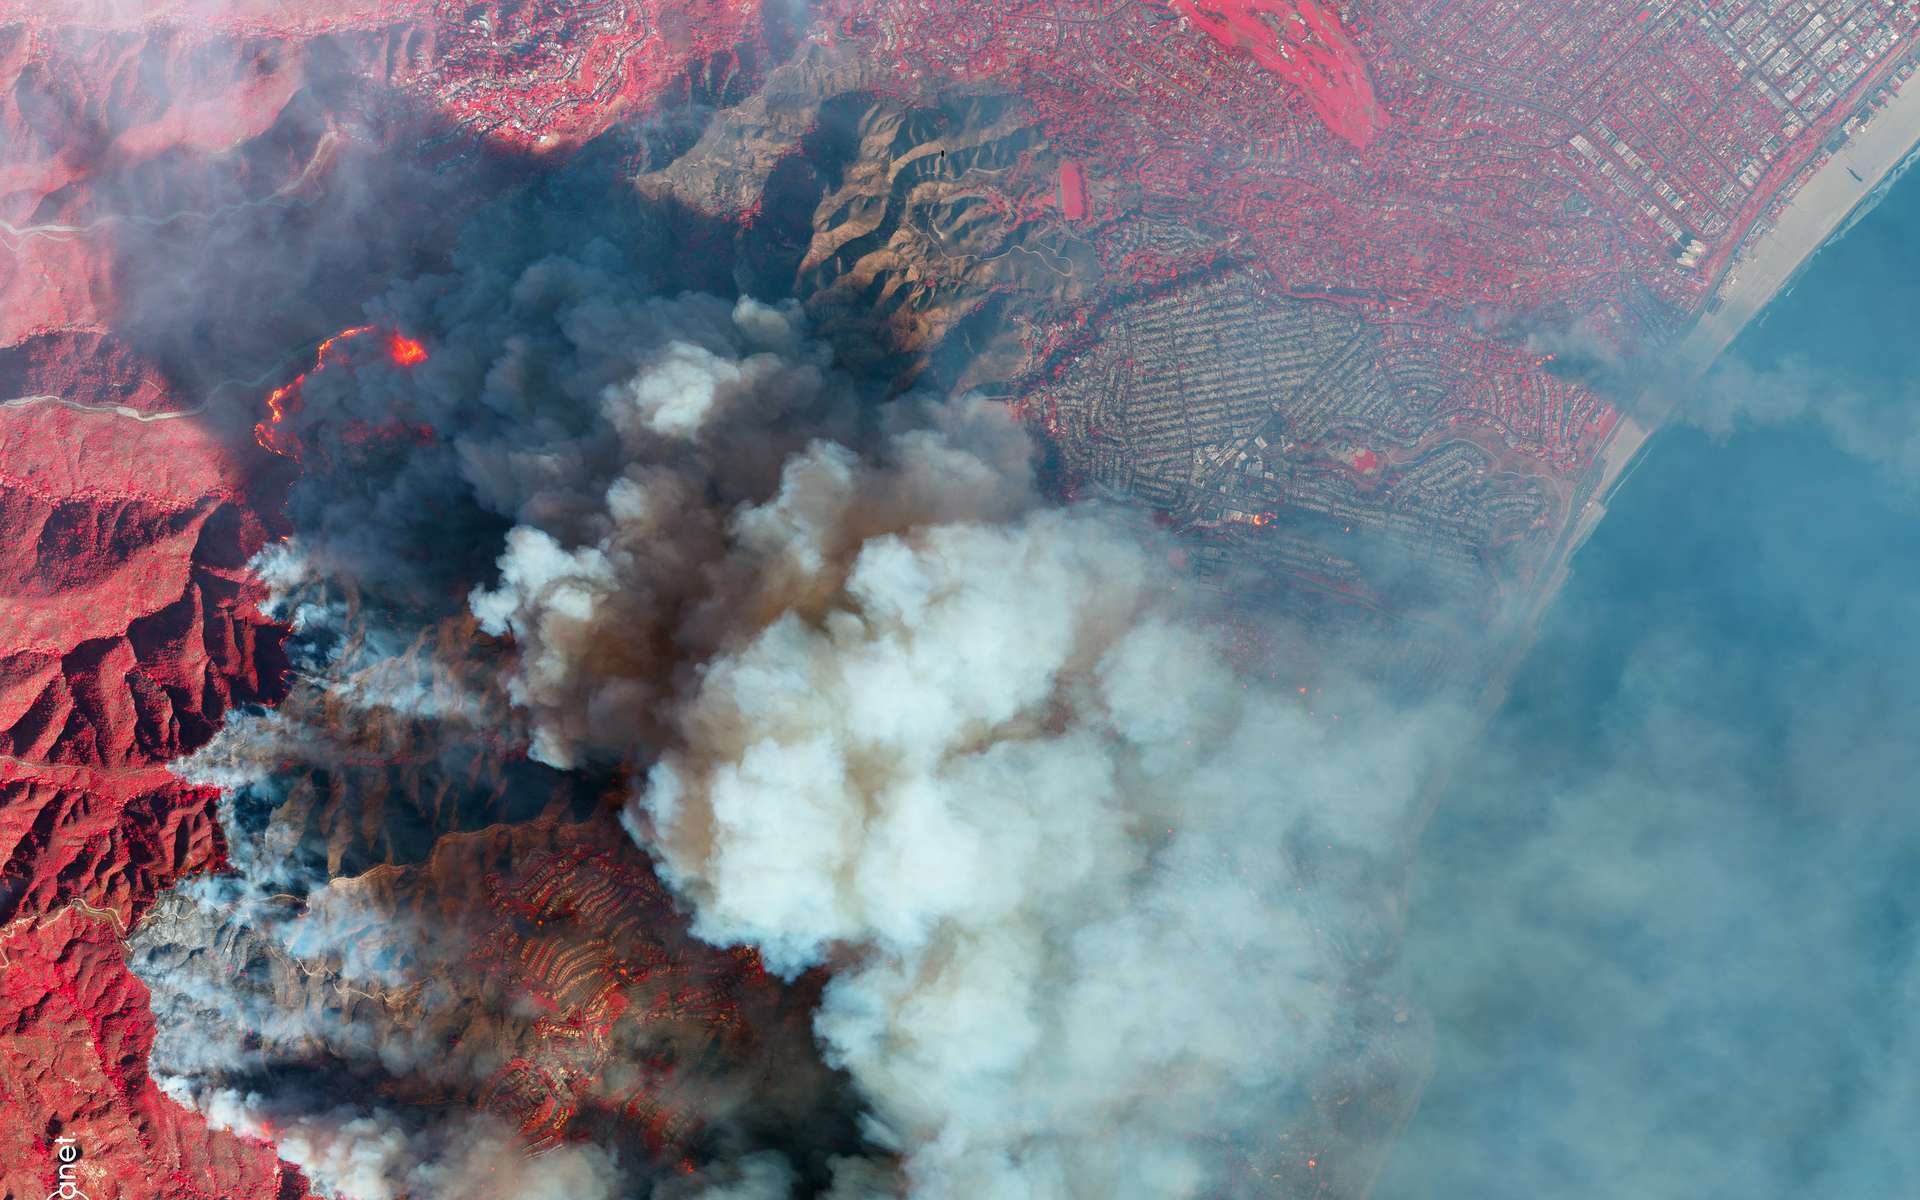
(320, 355)
(281, 402)
(284, 401)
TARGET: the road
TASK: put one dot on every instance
(1821, 207)
(111, 410)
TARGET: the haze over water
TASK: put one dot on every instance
(1666, 923)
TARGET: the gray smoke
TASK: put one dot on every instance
(357, 1152)
(1083, 885)
(1064, 853)
(1097, 903)
(1862, 420)
(1065, 856)
(1667, 921)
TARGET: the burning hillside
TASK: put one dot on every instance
(166, 169)
(531, 667)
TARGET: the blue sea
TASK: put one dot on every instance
(1666, 925)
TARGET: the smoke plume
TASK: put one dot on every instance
(1098, 904)
(372, 1154)
(1875, 423)
(1670, 902)
(978, 753)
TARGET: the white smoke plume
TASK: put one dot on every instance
(976, 752)
(1862, 419)
(367, 1153)
(1097, 903)
(763, 1176)
(1076, 874)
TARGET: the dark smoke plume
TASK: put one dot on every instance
(1092, 900)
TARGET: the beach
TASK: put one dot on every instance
(1838, 186)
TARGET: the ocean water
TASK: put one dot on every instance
(1665, 926)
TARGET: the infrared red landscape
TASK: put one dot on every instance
(1303, 45)
(129, 623)
(1343, 296)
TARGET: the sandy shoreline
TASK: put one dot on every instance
(1822, 206)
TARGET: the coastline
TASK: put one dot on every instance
(1836, 193)
(1826, 204)
(1852, 177)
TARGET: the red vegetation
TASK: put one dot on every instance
(532, 76)
(80, 362)
(129, 625)
(1073, 190)
(74, 1037)
(1304, 45)
(547, 75)
(286, 400)
(131, 629)
(102, 842)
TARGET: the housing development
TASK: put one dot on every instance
(1382, 281)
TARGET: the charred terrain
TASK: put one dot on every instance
(1341, 296)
